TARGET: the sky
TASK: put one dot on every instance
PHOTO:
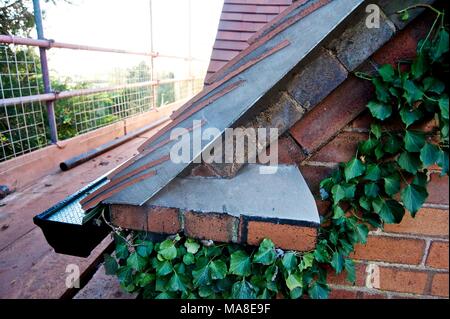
(126, 25)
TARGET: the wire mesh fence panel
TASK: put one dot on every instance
(97, 110)
(22, 125)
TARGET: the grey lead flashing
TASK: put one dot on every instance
(283, 196)
(303, 36)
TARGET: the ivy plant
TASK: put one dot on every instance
(386, 178)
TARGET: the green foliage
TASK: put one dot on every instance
(364, 192)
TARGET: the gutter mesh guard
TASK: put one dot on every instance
(71, 230)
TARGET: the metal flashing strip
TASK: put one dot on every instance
(303, 36)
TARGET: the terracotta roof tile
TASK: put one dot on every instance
(239, 21)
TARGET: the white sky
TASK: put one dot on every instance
(126, 25)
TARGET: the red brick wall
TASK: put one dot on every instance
(406, 260)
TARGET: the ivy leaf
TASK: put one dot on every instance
(338, 212)
(353, 169)
(201, 275)
(145, 248)
(294, 281)
(390, 210)
(337, 262)
(414, 141)
(392, 184)
(410, 116)
(240, 264)
(188, 259)
(381, 90)
(379, 110)
(125, 275)
(338, 193)
(192, 246)
(409, 162)
(413, 197)
(371, 190)
(296, 293)
(362, 230)
(266, 253)
(111, 265)
(136, 262)
(306, 262)
(218, 269)
(392, 144)
(442, 162)
(318, 290)
(167, 250)
(321, 253)
(420, 179)
(419, 66)
(387, 73)
(144, 279)
(412, 92)
(367, 146)
(440, 45)
(429, 154)
(289, 261)
(349, 267)
(443, 105)
(365, 203)
(176, 283)
(373, 172)
(122, 251)
(375, 129)
(163, 268)
(404, 15)
(431, 84)
(242, 290)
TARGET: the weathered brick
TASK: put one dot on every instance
(324, 121)
(438, 189)
(293, 237)
(202, 170)
(390, 249)
(403, 45)
(342, 294)
(358, 42)
(288, 151)
(314, 175)
(341, 279)
(129, 217)
(163, 220)
(401, 280)
(340, 149)
(428, 221)
(213, 226)
(438, 255)
(317, 79)
(323, 206)
(371, 295)
(439, 285)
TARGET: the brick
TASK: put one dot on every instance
(338, 109)
(438, 255)
(438, 189)
(341, 279)
(129, 217)
(357, 43)
(342, 294)
(371, 295)
(390, 249)
(213, 226)
(439, 285)
(317, 78)
(163, 220)
(340, 149)
(314, 175)
(202, 170)
(402, 280)
(428, 222)
(288, 151)
(290, 237)
(403, 45)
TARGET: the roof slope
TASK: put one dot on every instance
(239, 20)
(276, 51)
